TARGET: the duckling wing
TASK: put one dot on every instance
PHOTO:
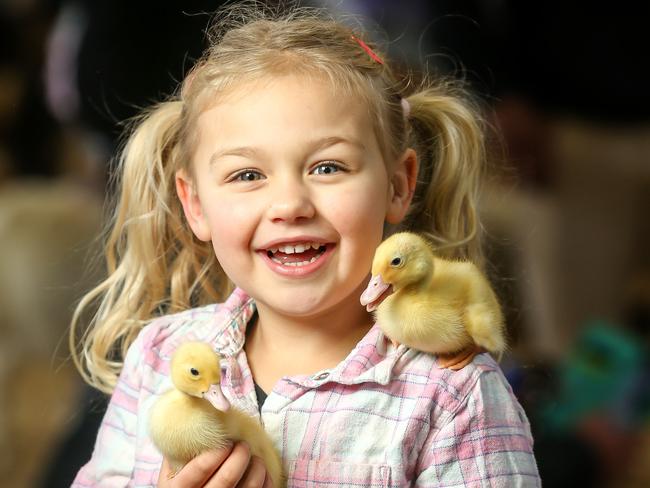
(483, 316)
(182, 429)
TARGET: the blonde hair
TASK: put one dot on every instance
(156, 265)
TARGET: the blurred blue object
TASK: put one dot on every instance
(604, 373)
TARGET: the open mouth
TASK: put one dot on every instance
(297, 255)
(375, 293)
(373, 305)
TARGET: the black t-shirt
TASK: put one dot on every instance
(259, 393)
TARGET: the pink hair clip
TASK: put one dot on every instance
(367, 49)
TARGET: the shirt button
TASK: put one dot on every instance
(321, 376)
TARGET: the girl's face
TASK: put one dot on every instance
(291, 188)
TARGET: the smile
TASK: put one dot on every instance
(297, 259)
(297, 255)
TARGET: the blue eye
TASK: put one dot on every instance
(247, 175)
(327, 168)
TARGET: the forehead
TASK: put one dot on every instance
(284, 109)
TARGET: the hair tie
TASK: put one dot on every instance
(406, 107)
(367, 49)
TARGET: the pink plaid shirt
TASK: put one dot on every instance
(384, 417)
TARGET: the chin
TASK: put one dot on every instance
(297, 303)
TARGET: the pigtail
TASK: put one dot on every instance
(154, 263)
(447, 133)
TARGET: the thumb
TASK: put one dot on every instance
(165, 474)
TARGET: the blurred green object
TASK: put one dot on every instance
(604, 372)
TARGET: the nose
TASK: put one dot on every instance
(290, 202)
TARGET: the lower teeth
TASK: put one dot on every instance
(300, 263)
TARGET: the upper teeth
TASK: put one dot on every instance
(297, 248)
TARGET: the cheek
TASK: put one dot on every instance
(360, 216)
(229, 240)
(229, 225)
(228, 212)
(364, 204)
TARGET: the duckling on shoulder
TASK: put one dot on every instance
(435, 305)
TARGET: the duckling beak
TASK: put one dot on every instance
(215, 396)
(375, 293)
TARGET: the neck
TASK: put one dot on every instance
(418, 286)
(426, 269)
(282, 345)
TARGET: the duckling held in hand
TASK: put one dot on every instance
(195, 416)
(432, 304)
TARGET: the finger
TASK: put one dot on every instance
(232, 469)
(202, 467)
(267, 482)
(164, 474)
(255, 474)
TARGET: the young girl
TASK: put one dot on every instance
(290, 152)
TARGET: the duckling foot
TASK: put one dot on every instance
(395, 343)
(458, 360)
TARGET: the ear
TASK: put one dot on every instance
(402, 187)
(186, 190)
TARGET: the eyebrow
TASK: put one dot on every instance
(317, 145)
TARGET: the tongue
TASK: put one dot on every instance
(297, 257)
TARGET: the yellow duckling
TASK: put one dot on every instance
(195, 416)
(431, 304)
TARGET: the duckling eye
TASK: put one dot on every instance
(396, 261)
(194, 371)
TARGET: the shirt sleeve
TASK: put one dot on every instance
(485, 442)
(113, 458)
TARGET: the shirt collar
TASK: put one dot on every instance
(372, 360)
(232, 331)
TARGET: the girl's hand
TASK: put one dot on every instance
(228, 467)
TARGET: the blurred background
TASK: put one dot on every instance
(566, 87)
